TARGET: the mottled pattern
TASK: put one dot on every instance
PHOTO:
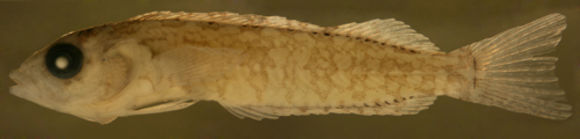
(268, 66)
(282, 67)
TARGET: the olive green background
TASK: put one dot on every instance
(27, 25)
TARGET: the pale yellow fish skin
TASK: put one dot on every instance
(267, 66)
(297, 68)
(303, 69)
(255, 66)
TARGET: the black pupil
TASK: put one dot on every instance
(71, 54)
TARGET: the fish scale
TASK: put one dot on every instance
(302, 69)
(264, 67)
(325, 62)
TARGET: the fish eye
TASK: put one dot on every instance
(64, 60)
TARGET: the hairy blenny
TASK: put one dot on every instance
(268, 66)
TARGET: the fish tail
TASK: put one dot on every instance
(512, 72)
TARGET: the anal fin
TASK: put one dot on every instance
(409, 106)
(250, 112)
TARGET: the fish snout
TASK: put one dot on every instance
(16, 77)
(20, 79)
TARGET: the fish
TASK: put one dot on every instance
(266, 67)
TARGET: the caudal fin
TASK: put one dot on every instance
(512, 72)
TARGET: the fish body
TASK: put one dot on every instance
(267, 66)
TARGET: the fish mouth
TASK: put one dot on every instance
(17, 78)
(23, 87)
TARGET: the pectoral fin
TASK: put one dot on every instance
(192, 64)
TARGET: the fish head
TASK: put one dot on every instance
(76, 75)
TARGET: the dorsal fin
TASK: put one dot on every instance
(231, 18)
(391, 31)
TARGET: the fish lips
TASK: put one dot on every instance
(17, 89)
